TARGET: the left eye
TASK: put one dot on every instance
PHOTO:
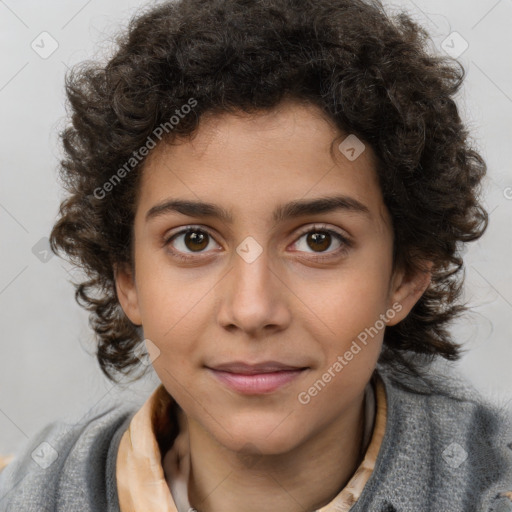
(319, 240)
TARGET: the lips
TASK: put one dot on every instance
(242, 368)
(256, 379)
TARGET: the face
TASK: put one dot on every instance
(281, 277)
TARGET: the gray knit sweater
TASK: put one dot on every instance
(445, 449)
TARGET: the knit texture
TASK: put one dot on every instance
(81, 478)
(445, 449)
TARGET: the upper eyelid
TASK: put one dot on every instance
(323, 227)
(183, 230)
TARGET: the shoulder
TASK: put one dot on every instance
(67, 466)
(445, 446)
(444, 401)
(446, 406)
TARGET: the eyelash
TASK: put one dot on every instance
(345, 242)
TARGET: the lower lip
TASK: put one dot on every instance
(256, 384)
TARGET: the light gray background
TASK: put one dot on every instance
(47, 370)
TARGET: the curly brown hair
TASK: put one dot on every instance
(370, 72)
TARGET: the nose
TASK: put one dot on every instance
(254, 299)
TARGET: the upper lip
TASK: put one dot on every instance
(250, 369)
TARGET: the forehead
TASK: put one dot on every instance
(251, 162)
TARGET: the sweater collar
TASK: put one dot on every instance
(143, 485)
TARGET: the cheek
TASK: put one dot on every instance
(167, 296)
(351, 298)
(349, 307)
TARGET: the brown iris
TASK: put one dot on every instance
(320, 240)
(199, 239)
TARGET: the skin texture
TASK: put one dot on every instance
(286, 305)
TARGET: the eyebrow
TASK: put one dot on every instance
(284, 212)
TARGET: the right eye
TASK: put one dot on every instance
(189, 241)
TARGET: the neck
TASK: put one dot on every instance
(306, 478)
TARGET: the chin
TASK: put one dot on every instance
(252, 439)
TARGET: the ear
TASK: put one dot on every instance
(127, 292)
(406, 289)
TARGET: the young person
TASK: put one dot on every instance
(270, 197)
